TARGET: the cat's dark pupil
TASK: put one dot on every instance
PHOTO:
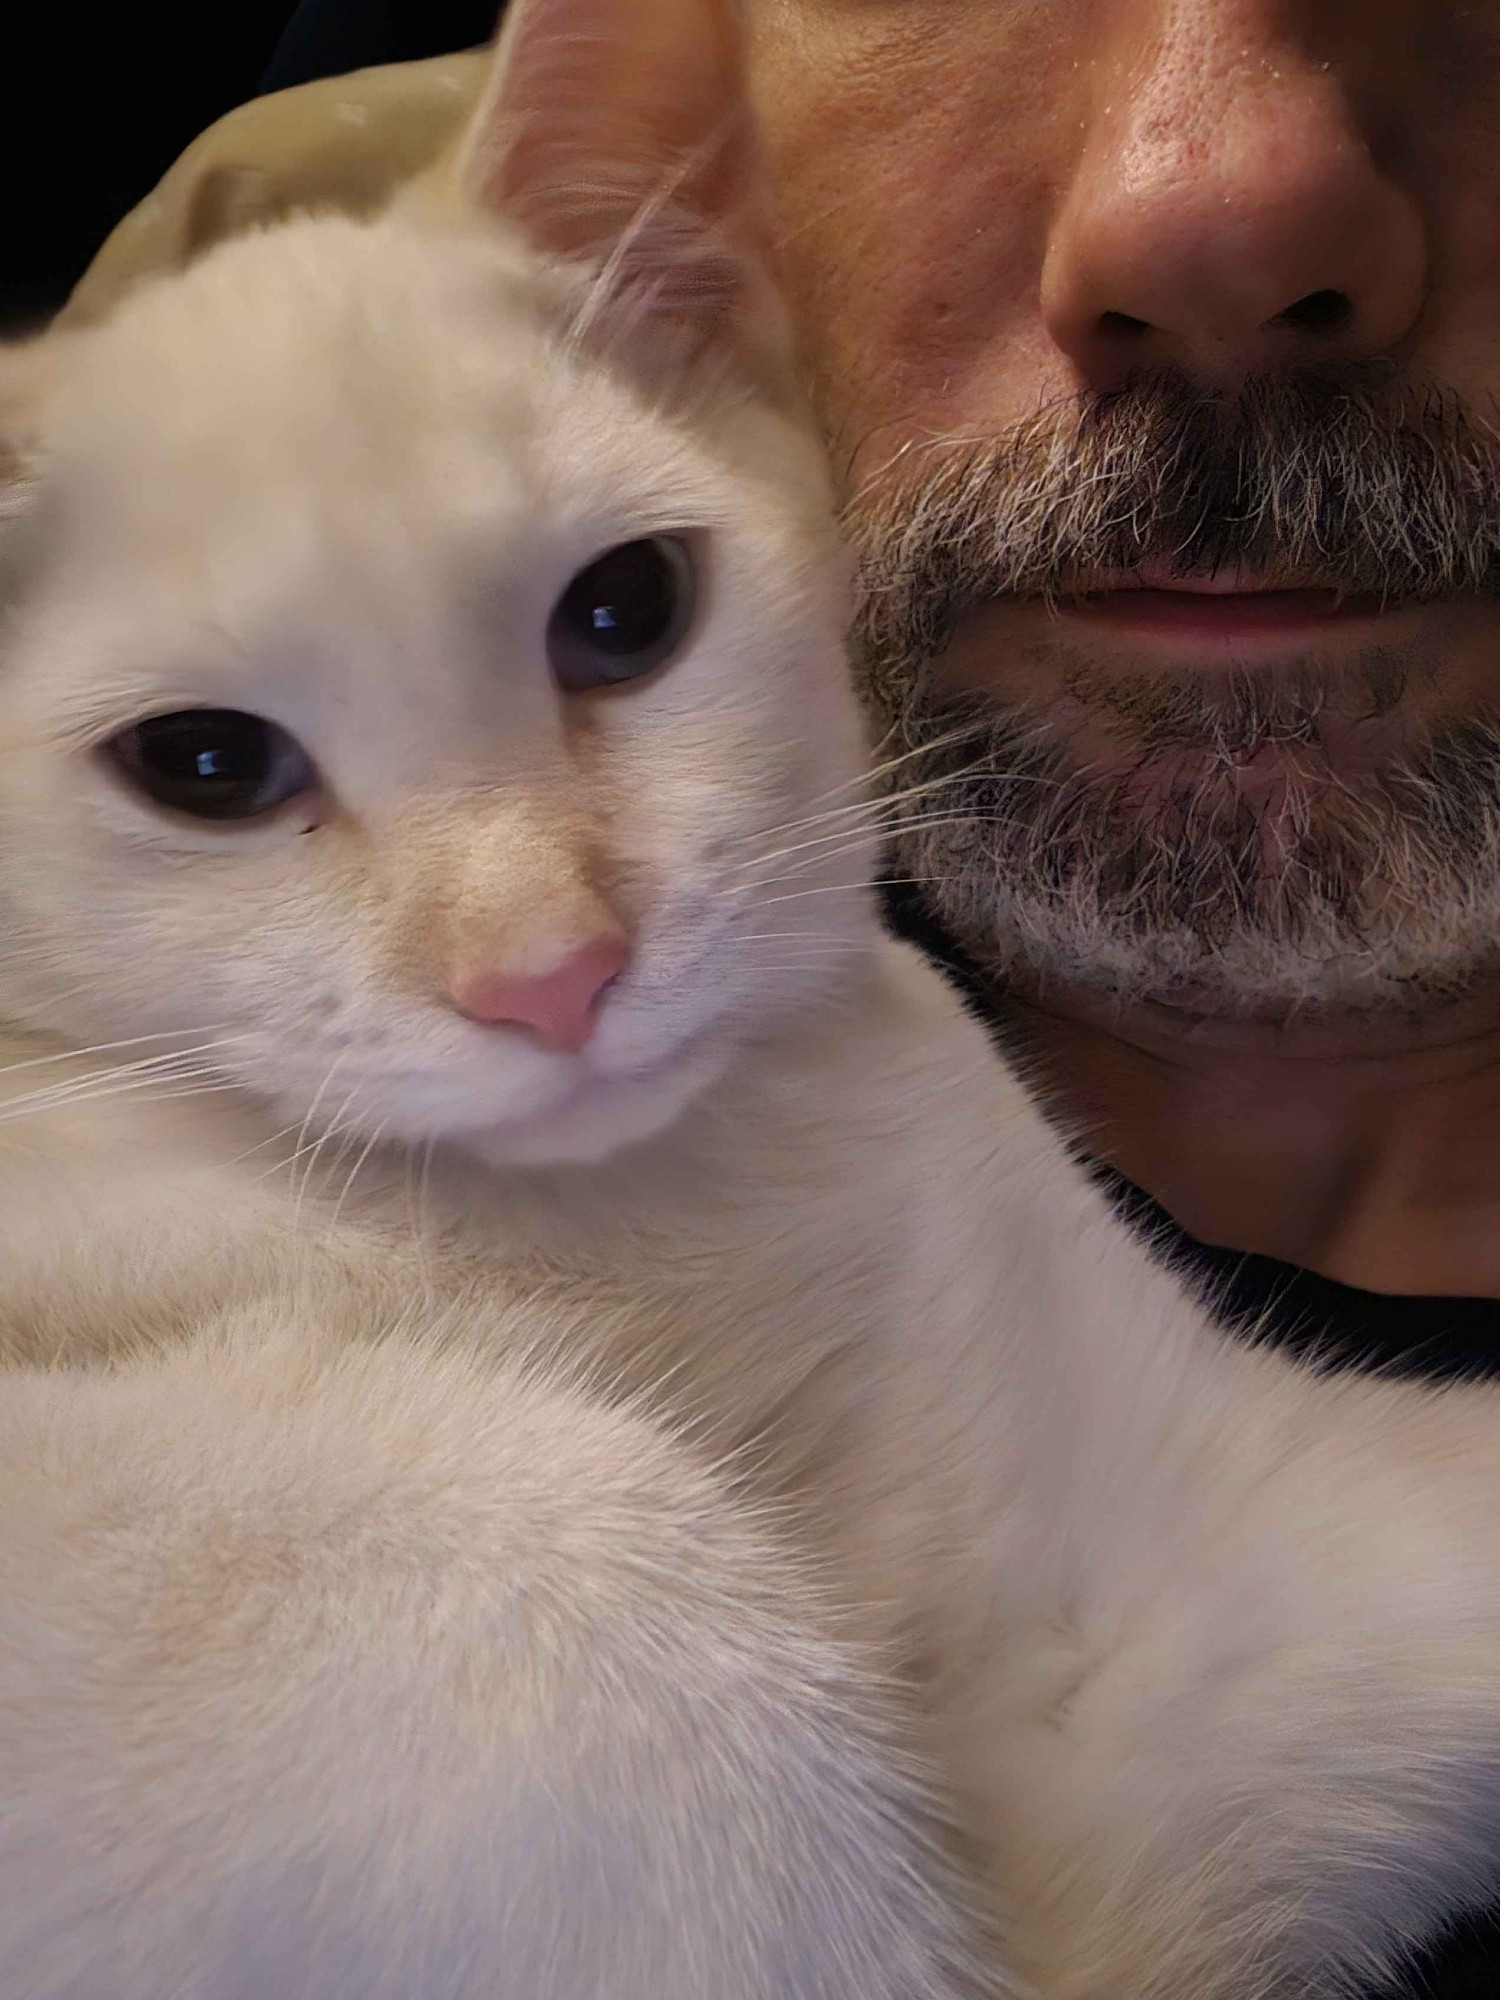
(212, 763)
(216, 751)
(626, 600)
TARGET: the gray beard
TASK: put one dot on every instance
(1174, 876)
(1229, 852)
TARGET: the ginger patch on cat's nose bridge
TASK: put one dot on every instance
(501, 913)
(539, 960)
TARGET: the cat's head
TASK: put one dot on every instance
(424, 680)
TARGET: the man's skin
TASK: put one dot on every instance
(994, 203)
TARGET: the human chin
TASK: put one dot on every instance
(1086, 820)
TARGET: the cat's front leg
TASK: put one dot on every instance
(381, 1674)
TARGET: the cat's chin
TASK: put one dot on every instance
(602, 1116)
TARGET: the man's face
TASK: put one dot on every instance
(1156, 341)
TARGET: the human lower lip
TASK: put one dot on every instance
(1222, 616)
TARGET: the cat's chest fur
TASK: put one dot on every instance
(1208, 1641)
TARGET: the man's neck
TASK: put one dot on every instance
(1369, 1153)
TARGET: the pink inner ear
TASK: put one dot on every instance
(662, 257)
(615, 131)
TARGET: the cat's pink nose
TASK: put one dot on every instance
(559, 1002)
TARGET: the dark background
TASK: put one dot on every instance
(97, 104)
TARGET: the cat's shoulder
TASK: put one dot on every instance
(135, 1200)
(933, 1040)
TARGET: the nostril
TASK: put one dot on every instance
(1318, 312)
(1122, 326)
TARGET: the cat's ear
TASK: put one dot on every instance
(617, 133)
(28, 373)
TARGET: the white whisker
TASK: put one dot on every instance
(110, 1080)
(369, 1146)
(106, 1048)
(828, 847)
(312, 1110)
(802, 937)
(153, 1086)
(885, 809)
(884, 766)
(875, 809)
(261, 1144)
(340, 1125)
(844, 888)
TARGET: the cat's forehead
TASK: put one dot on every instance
(331, 357)
(346, 469)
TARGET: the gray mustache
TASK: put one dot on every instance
(1347, 479)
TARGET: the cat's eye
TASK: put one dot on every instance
(624, 616)
(213, 763)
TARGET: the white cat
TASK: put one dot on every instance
(520, 1303)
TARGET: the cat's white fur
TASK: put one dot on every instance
(466, 1561)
